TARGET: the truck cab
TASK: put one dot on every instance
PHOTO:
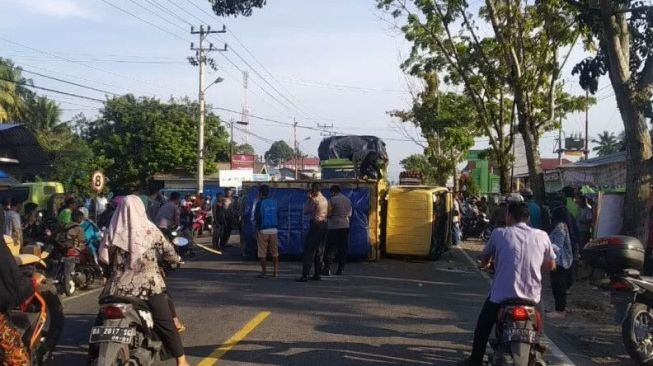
(37, 192)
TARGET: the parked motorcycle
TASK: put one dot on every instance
(518, 332)
(476, 226)
(126, 335)
(622, 258)
(39, 319)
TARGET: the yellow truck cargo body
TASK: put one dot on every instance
(418, 218)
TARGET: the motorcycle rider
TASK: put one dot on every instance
(130, 248)
(14, 289)
(520, 254)
(167, 218)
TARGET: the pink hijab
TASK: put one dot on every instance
(130, 230)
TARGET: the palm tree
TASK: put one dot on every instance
(43, 114)
(607, 143)
(13, 93)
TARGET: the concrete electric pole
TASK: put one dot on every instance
(201, 60)
(294, 128)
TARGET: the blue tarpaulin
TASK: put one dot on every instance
(293, 225)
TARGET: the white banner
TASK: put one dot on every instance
(235, 178)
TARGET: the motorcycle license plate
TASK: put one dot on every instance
(520, 335)
(111, 334)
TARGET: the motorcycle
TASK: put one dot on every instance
(125, 335)
(76, 269)
(518, 332)
(622, 258)
(476, 226)
(39, 319)
(200, 222)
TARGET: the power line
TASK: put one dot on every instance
(65, 81)
(144, 20)
(52, 90)
(72, 61)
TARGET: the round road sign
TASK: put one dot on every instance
(98, 181)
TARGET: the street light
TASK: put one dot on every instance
(216, 81)
(297, 156)
(200, 140)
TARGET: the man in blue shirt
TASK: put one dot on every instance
(266, 215)
(533, 208)
(520, 254)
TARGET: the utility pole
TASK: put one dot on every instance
(326, 130)
(294, 127)
(231, 143)
(587, 121)
(201, 60)
(560, 150)
(244, 119)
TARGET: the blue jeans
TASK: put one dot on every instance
(457, 234)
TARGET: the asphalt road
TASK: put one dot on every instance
(391, 312)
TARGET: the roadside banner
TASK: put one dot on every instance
(242, 162)
(235, 178)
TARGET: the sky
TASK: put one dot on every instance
(317, 62)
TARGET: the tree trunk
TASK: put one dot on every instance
(504, 177)
(532, 147)
(638, 168)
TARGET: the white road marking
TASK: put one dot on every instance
(563, 359)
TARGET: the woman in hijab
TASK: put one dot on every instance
(560, 277)
(130, 247)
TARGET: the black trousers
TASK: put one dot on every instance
(226, 233)
(164, 326)
(486, 320)
(337, 244)
(560, 283)
(218, 236)
(314, 250)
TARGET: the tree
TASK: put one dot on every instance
(447, 122)
(236, 7)
(419, 163)
(42, 113)
(73, 159)
(517, 67)
(607, 143)
(621, 32)
(245, 149)
(144, 136)
(279, 153)
(13, 93)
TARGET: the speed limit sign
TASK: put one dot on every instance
(98, 180)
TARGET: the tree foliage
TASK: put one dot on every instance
(144, 136)
(13, 93)
(419, 163)
(73, 159)
(42, 114)
(447, 122)
(279, 153)
(235, 7)
(245, 149)
(620, 36)
(519, 64)
(606, 143)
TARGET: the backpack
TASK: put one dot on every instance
(269, 214)
(62, 236)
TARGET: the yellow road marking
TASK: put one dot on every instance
(213, 358)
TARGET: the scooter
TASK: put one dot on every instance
(125, 335)
(200, 222)
(40, 318)
(518, 332)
